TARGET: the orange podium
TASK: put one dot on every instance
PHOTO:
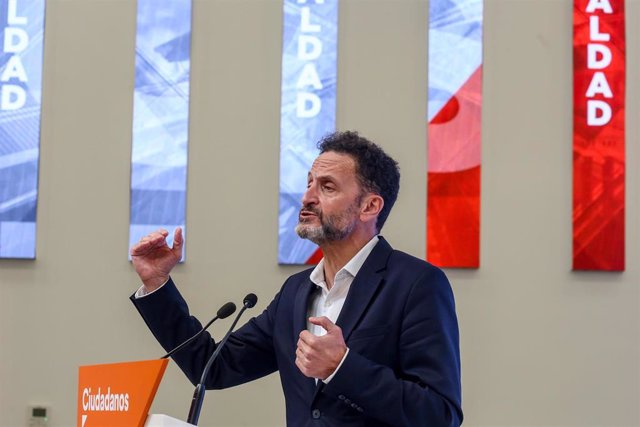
(120, 394)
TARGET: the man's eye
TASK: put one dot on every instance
(327, 187)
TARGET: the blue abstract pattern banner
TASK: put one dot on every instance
(21, 48)
(455, 48)
(160, 117)
(308, 110)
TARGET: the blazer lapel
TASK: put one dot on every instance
(301, 306)
(300, 314)
(363, 288)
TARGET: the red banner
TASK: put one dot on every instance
(453, 183)
(598, 135)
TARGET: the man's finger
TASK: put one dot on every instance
(300, 354)
(153, 238)
(304, 347)
(307, 338)
(149, 242)
(142, 246)
(323, 321)
(158, 234)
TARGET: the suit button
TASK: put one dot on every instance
(347, 401)
(354, 406)
(359, 409)
(315, 413)
(341, 397)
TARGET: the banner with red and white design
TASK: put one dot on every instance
(598, 135)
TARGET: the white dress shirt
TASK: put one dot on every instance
(328, 302)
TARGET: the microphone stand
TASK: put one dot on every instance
(198, 394)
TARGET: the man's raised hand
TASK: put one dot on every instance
(153, 259)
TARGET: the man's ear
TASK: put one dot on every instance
(371, 207)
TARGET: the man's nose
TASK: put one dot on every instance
(310, 196)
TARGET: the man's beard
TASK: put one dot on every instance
(332, 228)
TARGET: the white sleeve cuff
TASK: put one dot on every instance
(142, 292)
(330, 377)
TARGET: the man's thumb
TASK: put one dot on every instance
(324, 322)
(177, 241)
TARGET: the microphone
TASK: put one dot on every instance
(250, 301)
(223, 312)
(198, 395)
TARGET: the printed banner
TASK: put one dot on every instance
(598, 134)
(454, 113)
(160, 117)
(308, 110)
(21, 48)
(117, 394)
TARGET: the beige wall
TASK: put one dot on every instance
(541, 345)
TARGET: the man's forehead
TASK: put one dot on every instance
(331, 162)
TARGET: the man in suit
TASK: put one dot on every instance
(369, 337)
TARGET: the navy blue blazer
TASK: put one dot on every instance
(398, 320)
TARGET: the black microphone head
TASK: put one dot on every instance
(250, 300)
(226, 310)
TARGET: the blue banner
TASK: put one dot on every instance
(21, 47)
(308, 110)
(455, 48)
(160, 117)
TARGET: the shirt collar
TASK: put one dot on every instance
(352, 267)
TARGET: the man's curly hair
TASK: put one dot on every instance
(377, 172)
